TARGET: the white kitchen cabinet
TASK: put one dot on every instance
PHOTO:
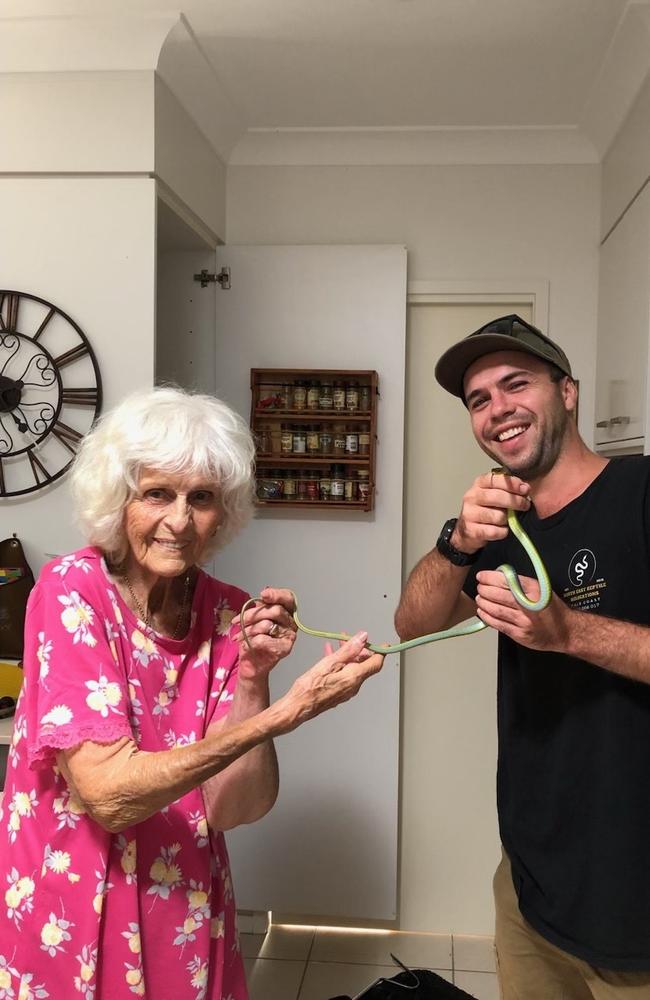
(624, 333)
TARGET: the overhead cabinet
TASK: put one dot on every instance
(624, 333)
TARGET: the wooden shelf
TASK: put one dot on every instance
(276, 376)
(286, 461)
(313, 416)
(318, 504)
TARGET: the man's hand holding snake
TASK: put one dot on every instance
(547, 630)
(483, 516)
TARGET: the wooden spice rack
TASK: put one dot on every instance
(274, 391)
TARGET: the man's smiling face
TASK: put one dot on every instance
(519, 415)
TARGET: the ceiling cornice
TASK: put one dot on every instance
(166, 44)
(408, 146)
(193, 80)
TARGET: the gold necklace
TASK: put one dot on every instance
(144, 616)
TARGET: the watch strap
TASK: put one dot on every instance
(449, 551)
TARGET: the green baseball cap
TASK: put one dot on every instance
(508, 333)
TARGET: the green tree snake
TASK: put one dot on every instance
(473, 625)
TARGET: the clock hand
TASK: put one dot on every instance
(10, 393)
(20, 424)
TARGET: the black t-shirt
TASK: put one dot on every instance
(573, 781)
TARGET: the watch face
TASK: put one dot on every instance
(50, 392)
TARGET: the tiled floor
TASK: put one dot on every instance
(308, 963)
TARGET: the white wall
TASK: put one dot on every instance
(457, 222)
(87, 245)
(77, 122)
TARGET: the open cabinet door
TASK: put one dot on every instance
(329, 847)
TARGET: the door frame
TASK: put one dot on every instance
(534, 292)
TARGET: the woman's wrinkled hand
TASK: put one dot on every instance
(333, 680)
(270, 629)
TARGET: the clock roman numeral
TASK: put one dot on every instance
(38, 469)
(80, 397)
(3, 491)
(44, 324)
(72, 355)
(9, 324)
(68, 436)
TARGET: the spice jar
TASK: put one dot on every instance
(276, 439)
(301, 485)
(299, 397)
(325, 486)
(271, 486)
(352, 397)
(313, 484)
(325, 400)
(269, 397)
(363, 476)
(364, 397)
(313, 395)
(339, 439)
(288, 485)
(299, 441)
(364, 442)
(351, 441)
(350, 486)
(325, 441)
(337, 483)
(286, 439)
(313, 440)
(284, 393)
(338, 396)
(264, 440)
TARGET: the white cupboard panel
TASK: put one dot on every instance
(623, 329)
(329, 846)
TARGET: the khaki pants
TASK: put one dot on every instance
(530, 968)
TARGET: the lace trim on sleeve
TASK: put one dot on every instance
(43, 751)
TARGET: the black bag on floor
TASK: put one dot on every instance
(414, 984)
(16, 581)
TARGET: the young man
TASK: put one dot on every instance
(573, 786)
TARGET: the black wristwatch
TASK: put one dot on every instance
(449, 551)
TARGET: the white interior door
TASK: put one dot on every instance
(449, 829)
(329, 847)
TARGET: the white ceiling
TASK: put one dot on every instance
(392, 64)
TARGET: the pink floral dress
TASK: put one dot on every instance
(149, 911)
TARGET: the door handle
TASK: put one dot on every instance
(614, 422)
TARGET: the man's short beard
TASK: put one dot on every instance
(547, 452)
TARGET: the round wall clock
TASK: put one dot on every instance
(50, 392)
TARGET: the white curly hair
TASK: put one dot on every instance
(169, 430)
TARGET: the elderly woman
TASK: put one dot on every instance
(144, 726)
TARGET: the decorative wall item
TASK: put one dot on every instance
(50, 392)
(315, 432)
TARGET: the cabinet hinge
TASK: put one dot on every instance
(222, 278)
